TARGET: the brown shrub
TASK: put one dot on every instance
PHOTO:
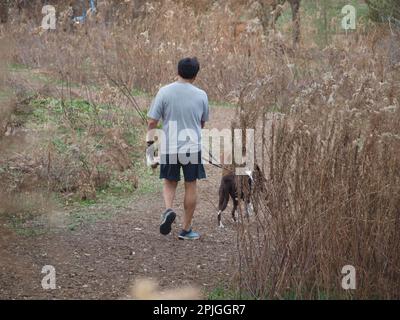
(331, 193)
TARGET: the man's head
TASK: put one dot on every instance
(188, 68)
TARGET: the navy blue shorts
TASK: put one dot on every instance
(191, 164)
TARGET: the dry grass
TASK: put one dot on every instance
(72, 146)
(143, 52)
(331, 193)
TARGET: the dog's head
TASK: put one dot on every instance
(256, 172)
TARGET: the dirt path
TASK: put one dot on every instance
(102, 259)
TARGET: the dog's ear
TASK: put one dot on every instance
(257, 172)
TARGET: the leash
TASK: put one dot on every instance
(220, 166)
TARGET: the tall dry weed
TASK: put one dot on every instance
(331, 194)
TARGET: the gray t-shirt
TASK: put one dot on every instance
(181, 107)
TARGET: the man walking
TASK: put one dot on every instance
(183, 110)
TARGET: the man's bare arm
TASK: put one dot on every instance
(151, 125)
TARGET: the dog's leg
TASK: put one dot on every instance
(246, 209)
(219, 219)
(235, 205)
(249, 208)
(223, 203)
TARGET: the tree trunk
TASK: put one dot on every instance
(263, 15)
(295, 5)
(136, 6)
(3, 11)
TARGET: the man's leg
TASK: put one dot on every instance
(189, 204)
(192, 171)
(168, 217)
(169, 191)
(170, 172)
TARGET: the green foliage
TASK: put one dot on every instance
(77, 219)
(17, 67)
(80, 116)
(149, 181)
(222, 293)
(140, 93)
(87, 138)
(222, 104)
(384, 10)
(4, 94)
(328, 16)
(60, 145)
(324, 16)
(22, 225)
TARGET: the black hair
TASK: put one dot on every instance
(188, 68)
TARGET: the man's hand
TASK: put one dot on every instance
(151, 125)
(150, 151)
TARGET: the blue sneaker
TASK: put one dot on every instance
(168, 217)
(188, 235)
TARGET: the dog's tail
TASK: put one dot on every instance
(226, 171)
(227, 167)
